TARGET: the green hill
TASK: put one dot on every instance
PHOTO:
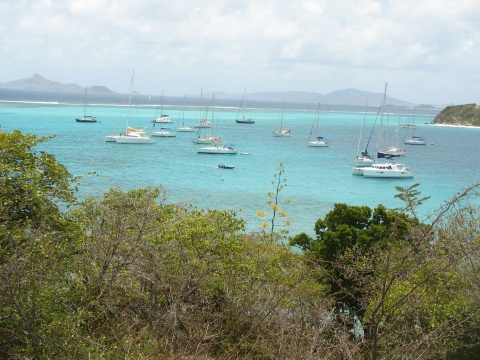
(468, 114)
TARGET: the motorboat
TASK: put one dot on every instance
(223, 166)
(386, 170)
(227, 149)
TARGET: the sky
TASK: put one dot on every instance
(428, 51)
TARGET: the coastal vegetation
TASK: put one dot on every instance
(466, 115)
(130, 275)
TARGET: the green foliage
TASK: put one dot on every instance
(468, 114)
(191, 279)
(35, 246)
(350, 236)
(393, 281)
(130, 275)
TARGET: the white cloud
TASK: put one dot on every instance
(419, 47)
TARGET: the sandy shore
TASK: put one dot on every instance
(453, 125)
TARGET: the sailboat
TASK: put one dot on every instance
(415, 139)
(383, 170)
(130, 135)
(205, 138)
(161, 118)
(86, 118)
(243, 120)
(389, 152)
(408, 124)
(281, 131)
(363, 158)
(184, 128)
(318, 141)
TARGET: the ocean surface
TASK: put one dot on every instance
(316, 178)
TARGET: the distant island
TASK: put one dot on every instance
(37, 82)
(464, 115)
(340, 97)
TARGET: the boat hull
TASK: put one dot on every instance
(185, 129)
(415, 142)
(227, 150)
(127, 140)
(358, 170)
(282, 133)
(318, 143)
(86, 119)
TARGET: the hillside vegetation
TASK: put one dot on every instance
(130, 275)
(468, 114)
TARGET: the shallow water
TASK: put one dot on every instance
(316, 178)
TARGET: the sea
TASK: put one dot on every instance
(314, 179)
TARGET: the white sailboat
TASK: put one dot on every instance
(363, 158)
(164, 132)
(409, 124)
(379, 169)
(392, 151)
(86, 118)
(160, 117)
(202, 136)
(281, 131)
(184, 128)
(130, 135)
(415, 140)
(214, 149)
(318, 140)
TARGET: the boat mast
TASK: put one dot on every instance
(360, 139)
(85, 103)
(130, 98)
(381, 118)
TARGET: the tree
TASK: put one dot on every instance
(180, 280)
(393, 285)
(35, 243)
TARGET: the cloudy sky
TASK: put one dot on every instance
(427, 50)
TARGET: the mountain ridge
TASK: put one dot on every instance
(349, 96)
(38, 82)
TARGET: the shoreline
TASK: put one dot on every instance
(455, 125)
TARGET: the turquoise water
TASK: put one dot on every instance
(316, 177)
